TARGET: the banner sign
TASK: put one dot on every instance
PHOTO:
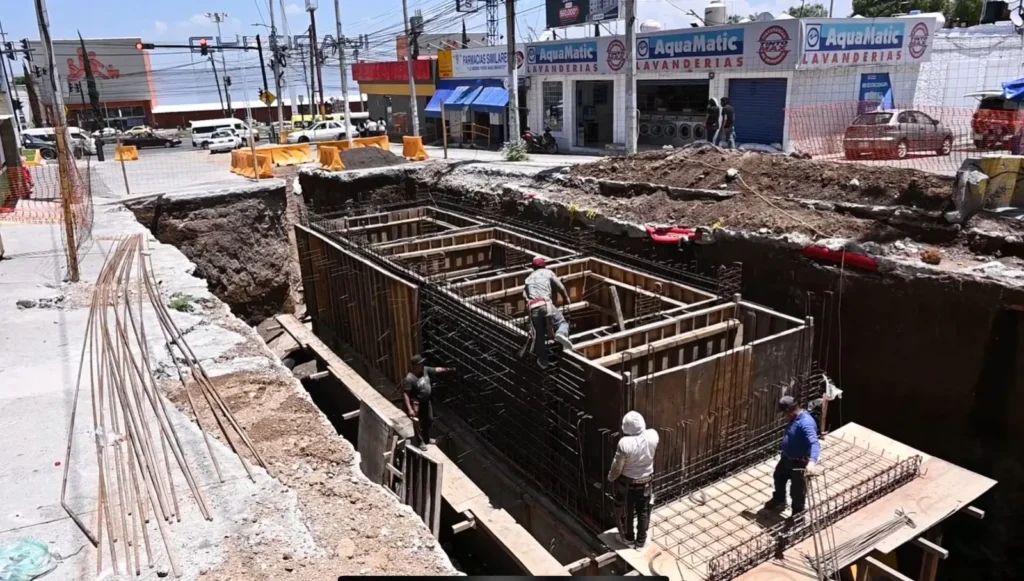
(845, 42)
(875, 93)
(576, 57)
(482, 63)
(391, 72)
(753, 46)
(562, 13)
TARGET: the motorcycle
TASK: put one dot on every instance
(543, 143)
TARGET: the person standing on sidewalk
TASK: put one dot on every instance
(728, 131)
(418, 394)
(633, 465)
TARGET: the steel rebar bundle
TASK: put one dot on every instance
(137, 446)
(827, 563)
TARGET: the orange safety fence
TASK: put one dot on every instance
(245, 164)
(330, 158)
(126, 153)
(32, 195)
(412, 148)
(287, 154)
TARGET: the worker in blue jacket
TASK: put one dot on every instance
(800, 451)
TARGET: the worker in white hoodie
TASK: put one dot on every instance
(634, 465)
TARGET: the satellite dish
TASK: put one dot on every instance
(764, 17)
(651, 25)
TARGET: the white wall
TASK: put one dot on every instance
(566, 138)
(965, 60)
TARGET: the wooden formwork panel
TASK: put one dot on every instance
(381, 218)
(652, 332)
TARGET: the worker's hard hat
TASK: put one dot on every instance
(539, 262)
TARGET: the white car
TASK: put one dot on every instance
(322, 131)
(223, 140)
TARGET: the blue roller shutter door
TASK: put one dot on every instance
(760, 106)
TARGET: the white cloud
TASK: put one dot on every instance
(293, 8)
(160, 26)
(196, 20)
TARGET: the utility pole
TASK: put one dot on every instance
(249, 133)
(218, 17)
(275, 63)
(9, 87)
(311, 6)
(513, 80)
(61, 135)
(344, 70)
(263, 71)
(312, 78)
(631, 121)
(216, 81)
(291, 45)
(412, 79)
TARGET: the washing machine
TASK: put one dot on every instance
(644, 127)
(700, 132)
(684, 132)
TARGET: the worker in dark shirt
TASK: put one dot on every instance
(418, 392)
(713, 120)
(728, 131)
(800, 451)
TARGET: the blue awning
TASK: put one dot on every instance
(491, 100)
(462, 97)
(434, 106)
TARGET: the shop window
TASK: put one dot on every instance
(553, 109)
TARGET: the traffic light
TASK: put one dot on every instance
(9, 49)
(144, 45)
(204, 48)
(26, 49)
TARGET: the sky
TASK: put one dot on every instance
(181, 77)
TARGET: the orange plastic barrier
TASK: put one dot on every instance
(243, 164)
(341, 145)
(412, 148)
(287, 154)
(126, 153)
(380, 141)
(330, 158)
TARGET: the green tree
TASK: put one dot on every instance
(968, 11)
(808, 11)
(94, 93)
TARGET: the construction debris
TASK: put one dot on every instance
(135, 438)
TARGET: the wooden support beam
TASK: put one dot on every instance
(886, 569)
(636, 289)
(578, 565)
(350, 415)
(683, 338)
(442, 250)
(930, 547)
(657, 324)
(463, 526)
(618, 308)
(519, 289)
(382, 225)
(319, 375)
(974, 511)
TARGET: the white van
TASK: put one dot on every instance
(203, 130)
(79, 138)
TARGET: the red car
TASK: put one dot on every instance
(995, 120)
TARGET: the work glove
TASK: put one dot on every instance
(813, 470)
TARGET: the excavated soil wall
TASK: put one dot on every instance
(933, 360)
(238, 240)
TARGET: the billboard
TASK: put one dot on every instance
(562, 13)
(121, 70)
(482, 63)
(604, 55)
(753, 46)
(843, 42)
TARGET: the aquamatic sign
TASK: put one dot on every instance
(485, 62)
(578, 57)
(866, 41)
(754, 46)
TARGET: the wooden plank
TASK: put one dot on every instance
(674, 341)
(893, 573)
(657, 324)
(974, 512)
(618, 308)
(930, 547)
(443, 250)
(519, 289)
(637, 289)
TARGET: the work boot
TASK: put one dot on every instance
(775, 505)
(623, 540)
(423, 446)
(564, 341)
(432, 441)
(641, 545)
(797, 518)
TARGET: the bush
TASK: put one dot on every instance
(515, 151)
(181, 302)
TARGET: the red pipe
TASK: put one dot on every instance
(861, 261)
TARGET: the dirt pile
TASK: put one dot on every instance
(367, 157)
(777, 176)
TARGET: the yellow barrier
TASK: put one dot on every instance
(380, 141)
(412, 148)
(330, 158)
(287, 154)
(1004, 187)
(32, 157)
(341, 145)
(243, 165)
(126, 153)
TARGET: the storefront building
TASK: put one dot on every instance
(472, 90)
(386, 86)
(577, 91)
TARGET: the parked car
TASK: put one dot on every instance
(895, 133)
(139, 129)
(994, 121)
(106, 132)
(47, 149)
(223, 140)
(151, 139)
(321, 131)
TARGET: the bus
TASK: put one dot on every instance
(305, 121)
(202, 130)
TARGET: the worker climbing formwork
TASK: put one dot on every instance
(539, 290)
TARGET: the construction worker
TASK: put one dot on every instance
(539, 289)
(633, 465)
(418, 394)
(800, 451)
